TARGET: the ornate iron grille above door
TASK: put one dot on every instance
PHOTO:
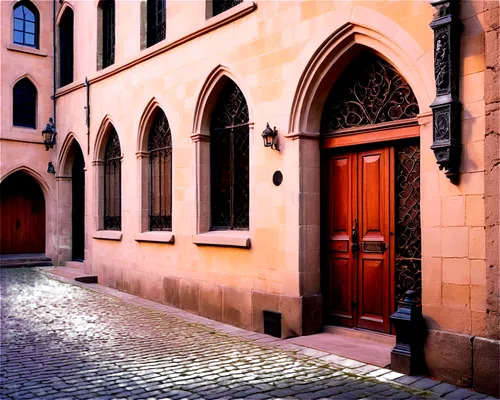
(112, 183)
(160, 167)
(408, 233)
(229, 160)
(370, 91)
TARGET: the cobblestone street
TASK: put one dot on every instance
(64, 341)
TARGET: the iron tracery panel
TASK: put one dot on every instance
(408, 231)
(229, 160)
(369, 91)
(112, 183)
(160, 168)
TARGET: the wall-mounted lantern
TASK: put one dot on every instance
(50, 168)
(49, 135)
(269, 135)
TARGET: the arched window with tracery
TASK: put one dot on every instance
(24, 99)
(229, 160)
(26, 24)
(112, 182)
(160, 174)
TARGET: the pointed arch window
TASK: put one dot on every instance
(229, 160)
(112, 182)
(26, 24)
(24, 104)
(371, 91)
(106, 55)
(160, 170)
(66, 47)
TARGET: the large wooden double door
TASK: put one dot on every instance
(359, 239)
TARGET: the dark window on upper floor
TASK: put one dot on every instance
(220, 6)
(26, 24)
(108, 32)
(24, 104)
(156, 23)
(66, 51)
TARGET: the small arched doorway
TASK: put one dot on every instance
(78, 204)
(22, 215)
(371, 197)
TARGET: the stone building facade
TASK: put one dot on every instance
(227, 237)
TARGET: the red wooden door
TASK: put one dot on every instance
(22, 215)
(358, 249)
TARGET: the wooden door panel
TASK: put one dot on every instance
(340, 268)
(373, 263)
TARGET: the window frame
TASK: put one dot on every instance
(68, 73)
(156, 19)
(112, 159)
(15, 104)
(107, 26)
(36, 14)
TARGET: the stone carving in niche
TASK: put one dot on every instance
(446, 107)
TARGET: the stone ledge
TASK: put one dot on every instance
(223, 238)
(27, 50)
(155, 237)
(107, 235)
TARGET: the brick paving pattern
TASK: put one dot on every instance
(61, 341)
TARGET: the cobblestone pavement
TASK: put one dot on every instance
(61, 341)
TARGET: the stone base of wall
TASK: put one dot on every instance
(301, 315)
(464, 360)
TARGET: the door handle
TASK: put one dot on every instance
(355, 239)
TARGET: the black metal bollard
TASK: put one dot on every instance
(407, 357)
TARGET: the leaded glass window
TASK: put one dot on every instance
(66, 41)
(108, 33)
(26, 23)
(229, 161)
(220, 6)
(370, 91)
(160, 168)
(24, 104)
(112, 182)
(156, 29)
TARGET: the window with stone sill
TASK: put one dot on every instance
(24, 102)
(112, 183)
(229, 160)
(26, 24)
(160, 174)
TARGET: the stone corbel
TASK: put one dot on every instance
(446, 107)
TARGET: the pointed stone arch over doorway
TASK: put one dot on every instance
(22, 215)
(71, 201)
(371, 197)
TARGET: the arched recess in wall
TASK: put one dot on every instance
(220, 89)
(24, 215)
(345, 150)
(154, 157)
(71, 198)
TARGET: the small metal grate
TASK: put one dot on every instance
(272, 323)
